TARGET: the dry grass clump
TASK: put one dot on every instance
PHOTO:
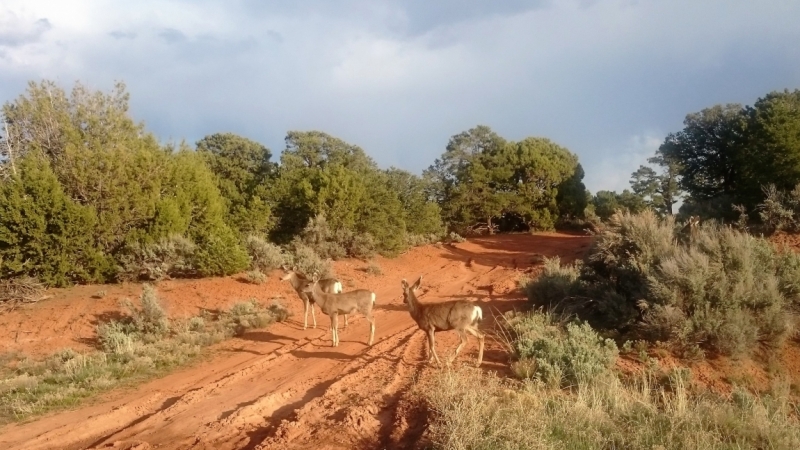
(144, 344)
(717, 290)
(256, 276)
(472, 410)
(374, 269)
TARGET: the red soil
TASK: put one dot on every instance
(283, 387)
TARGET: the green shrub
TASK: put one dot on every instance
(455, 237)
(264, 255)
(243, 316)
(572, 355)
(418, 240)
(44, 233)
(305, 260)
(721, 289)
(169, 256)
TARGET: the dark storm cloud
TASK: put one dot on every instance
(606, 79)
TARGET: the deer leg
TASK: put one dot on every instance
(475, 332)
(305, 316)
(345, 321)
(336, 327)
(463, 337)
(432, 344)
(313, 316)
(371, 328)
(333, 330)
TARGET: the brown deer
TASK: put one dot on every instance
(690, 229)
(460, 315)
(360, 300)
(330, 285)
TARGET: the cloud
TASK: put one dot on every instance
(172, 36)
(605, 79)
(116, 34)
(16, 31)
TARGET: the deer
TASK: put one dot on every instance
(330, 285)
(361, 300)
(460, 315)
(690, 229)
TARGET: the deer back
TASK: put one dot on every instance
(451, 315)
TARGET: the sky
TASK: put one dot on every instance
(607, 79)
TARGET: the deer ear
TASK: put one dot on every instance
(404, 283)
(315, 277)
(416, 285)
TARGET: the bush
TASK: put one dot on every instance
(256, 277)
(374, 269)
(169, 256)
(472, 410)
(418, 240)
(246, 315)
(45, 234)
(264, 255)
(306, 261)
(455, 237)
(558, 356)
(722, 289)
(20, 290)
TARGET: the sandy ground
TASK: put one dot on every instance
(283, 387)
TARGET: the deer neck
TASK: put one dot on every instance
(294, 280)
(414, 306)
(318, 295)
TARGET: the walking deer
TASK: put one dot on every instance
(360, 300)
(330, 285)
(460, 315)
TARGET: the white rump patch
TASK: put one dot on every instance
(477, 313)
(337, 288)
(373, 298)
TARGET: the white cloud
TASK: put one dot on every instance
(614, 172)
(399, 78)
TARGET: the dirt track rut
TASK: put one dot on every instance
(286, 388)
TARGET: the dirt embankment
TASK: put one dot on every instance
(284, 387)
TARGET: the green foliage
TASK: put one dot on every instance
(482, 180)
(169, 256)
(243, 172)
(726, 153)
(572, 196)
(660, 190)
(44, 233)
(98, 195)
(568, 356)
(721, 289)
(264, 255)
(306, 261)
(607, 203)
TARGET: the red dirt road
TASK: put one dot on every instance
(284, 387)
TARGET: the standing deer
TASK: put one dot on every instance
(690, 229)
(460, 315)
(360, 300)
(330, 285)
